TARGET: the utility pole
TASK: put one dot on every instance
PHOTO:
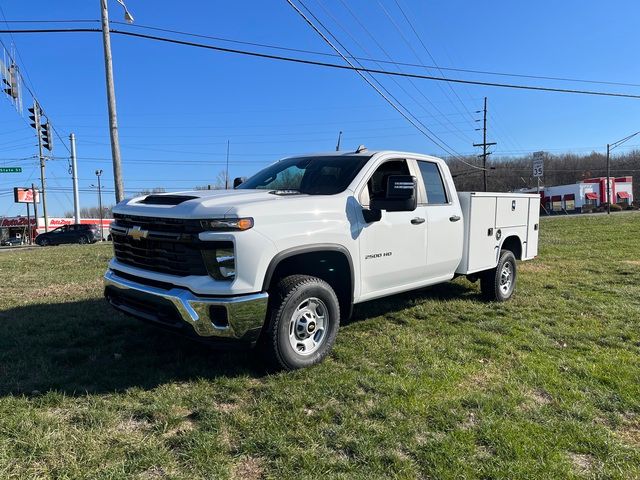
(338, 144)
(111, 100)
(609, 148)
(74, 176)
(226, 174)
(608, 180)
(35, 116)
(484, 144)
(35, 206)
(98, 174)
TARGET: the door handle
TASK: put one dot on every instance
(417, 221)
(454, 218)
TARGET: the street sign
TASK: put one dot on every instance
(10, 169)
(538, 164)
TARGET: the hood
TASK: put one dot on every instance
(195, 204)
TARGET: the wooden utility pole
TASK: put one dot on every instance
(111, 101)
(484, 145)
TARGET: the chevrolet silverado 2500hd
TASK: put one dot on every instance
(283, 257)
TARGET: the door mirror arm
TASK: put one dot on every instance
(372, 214)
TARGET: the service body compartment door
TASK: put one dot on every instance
(533, 228)
(482, 234)
(512, 211)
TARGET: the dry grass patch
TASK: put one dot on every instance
(583, 463)
(629, 431)
(248, 468)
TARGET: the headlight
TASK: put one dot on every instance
(221, 261)
(227, 224)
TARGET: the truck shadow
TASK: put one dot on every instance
(394, 303)
(87, 347)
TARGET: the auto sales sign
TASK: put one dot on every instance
(25, 195)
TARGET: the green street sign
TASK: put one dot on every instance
(10, 169)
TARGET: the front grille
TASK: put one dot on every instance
(159, 224)
(171, 245)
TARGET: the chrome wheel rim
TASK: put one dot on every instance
(506, 278)
(308, 326)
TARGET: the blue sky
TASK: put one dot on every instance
(178, 106)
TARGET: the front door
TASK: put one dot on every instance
(392, 250)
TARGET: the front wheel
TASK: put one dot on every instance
(44, 242)
(498, 284)
(83, 240)
(304, 320)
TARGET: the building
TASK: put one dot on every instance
(585, 194)
(18, 226)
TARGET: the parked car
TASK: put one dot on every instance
(75, 233)
(12, 241)
(280, 260)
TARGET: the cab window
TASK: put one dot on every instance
(433, 183)
(377, 184)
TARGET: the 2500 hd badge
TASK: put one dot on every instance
(377, 255)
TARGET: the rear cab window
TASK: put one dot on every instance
(433, 183)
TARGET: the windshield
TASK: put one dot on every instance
(311, 175)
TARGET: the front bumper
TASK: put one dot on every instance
(234, 317)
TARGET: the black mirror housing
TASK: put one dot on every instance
(238, 181)
(401, 195)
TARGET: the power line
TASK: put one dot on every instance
(420, 92)
(334, 65)
(327, 54)
(391, 101)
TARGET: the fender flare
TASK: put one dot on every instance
(316, 247)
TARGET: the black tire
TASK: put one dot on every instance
(44, 242)
(83, 240)
(298, 301)
(493, 283)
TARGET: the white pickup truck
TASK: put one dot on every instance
(282, 258)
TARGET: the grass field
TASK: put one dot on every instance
(430, 384)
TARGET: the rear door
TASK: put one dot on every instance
(444, 221)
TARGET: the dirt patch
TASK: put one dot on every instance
(534, 267)
(153, 473)
(479, 380)
(540, 397)
(131, 425)
(227, 407)
(470, 422)
(248, 468)
(583, 463)
(629, 431)
(635, 263)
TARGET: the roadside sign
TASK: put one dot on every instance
(538, 164)
(10, 169)
(25, 195)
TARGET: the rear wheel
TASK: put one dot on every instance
(83, 240)
(498, 284)
(304, 320)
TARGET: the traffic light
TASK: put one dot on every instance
(11, 82)
(34, 116)
(47, 139)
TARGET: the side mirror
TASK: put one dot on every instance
(401, 195)
(237, 181)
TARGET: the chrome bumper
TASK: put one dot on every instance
(239, 317)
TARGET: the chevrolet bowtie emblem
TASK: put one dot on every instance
(137, 233)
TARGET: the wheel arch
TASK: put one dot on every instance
(326, 261)
(513, 243)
